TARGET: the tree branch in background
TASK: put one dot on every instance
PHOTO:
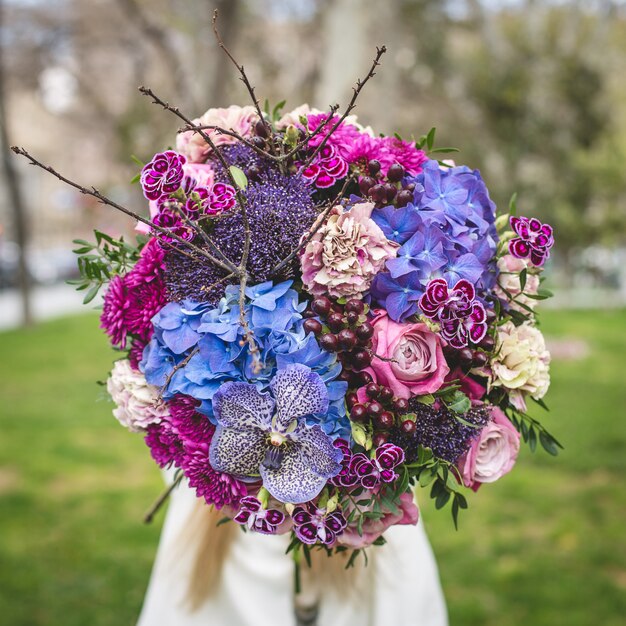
(15, 195)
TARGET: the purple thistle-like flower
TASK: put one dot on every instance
(266, 436)
(380, 469)
(163, 175)
(312, 525)
(255, 517)
(461, 317)
(327, 168)
(533, 240)
(437, 428)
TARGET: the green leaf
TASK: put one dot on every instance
(238, 176)
(135, 179)
(224, 520)
(459, 403)
(426, 399)
(277, 110)
(522, 279)
(549, 443)
(532, 439)
(92, 293)
(430, 138)
(137, 160)
(442, 499)
(513, 204)
(444, 150)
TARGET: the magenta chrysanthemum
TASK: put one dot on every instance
(405, 153)
(113, 318)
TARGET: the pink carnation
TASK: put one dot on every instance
(492, 454)
(346, 253)
(405, 153)
(374, 528)
(412, 361)
(238, 119)
(342, 138)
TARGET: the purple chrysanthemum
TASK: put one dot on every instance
(165, 446)
(149, 266)
(438, 429)
(113, 318)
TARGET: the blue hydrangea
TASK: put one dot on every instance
(448, 231)
(274, 313)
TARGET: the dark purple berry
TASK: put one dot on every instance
(329, 342)
(358, 413)
(352, 317)
(308, 313)
(312, 325)
(480, 359)
(403, 198)
(347, 339)
(466, 355)
(487, 343)
(355, 305)
(401, 405)
(365, 184)
(378, 194)
(374, 409)
(390, 192)
(372, 391)
(260, 128)
(361, 359)
(352, 399)
(491, 316)
(379, 439)
(385, 419)
(408, 427)
(365, 331)
(335, 322)
(365, 378)
(254, 173)
(386, 395)
(321, 305)
(395, 173)
(373, 167)
(259, 142)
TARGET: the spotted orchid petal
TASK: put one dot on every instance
(238, 451)
(239, 404)
(298, 392)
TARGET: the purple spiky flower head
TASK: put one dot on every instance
(163, 175)
(255, 517)
(312, 525)
(265, 435)
(461, 317)
(533, 240)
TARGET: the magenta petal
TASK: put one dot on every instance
(478, 313)
(519, 248)
(477, 332)
(465, 287)
(275, 517)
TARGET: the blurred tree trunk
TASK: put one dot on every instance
(351, 33)
(14, 195)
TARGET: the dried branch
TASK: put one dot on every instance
(242, 72)
(160, 501)
(178, 366)
(107, 201)
(357, 90)
(321, 218)
(242, 269)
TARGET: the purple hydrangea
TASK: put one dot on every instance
(462, 319)
(533, 240)
(163, 175)
(266, 436)
(312, 525)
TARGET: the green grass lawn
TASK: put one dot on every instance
(544, 546)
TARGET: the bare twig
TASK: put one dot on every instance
(160, 501)
(321, 218)
(107, 201)
(177, 367)
(242, 269)
(357, 90)
(243, 75)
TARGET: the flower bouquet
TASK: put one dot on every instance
(316, 319)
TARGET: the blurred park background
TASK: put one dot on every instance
(532, 92)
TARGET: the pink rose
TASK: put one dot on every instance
(235, 118)
(374, 528)
(415, 365)
(492, 454)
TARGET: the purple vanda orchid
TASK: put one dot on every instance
(264, 435)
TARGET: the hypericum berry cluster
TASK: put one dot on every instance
(380, 408)
(391, 191)
(344, 330)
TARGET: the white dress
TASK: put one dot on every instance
(399, 587)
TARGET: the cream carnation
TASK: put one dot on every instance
(138, 403)
(522, 362)
(509, 281)
(346, 253)
(238, 119)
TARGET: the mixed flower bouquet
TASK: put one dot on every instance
(316, 319)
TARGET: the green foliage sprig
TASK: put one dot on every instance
(98, 262)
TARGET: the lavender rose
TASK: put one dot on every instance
(492, 454)
(412, 357)
(346, 253)
(138, 403)
(238, 119)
